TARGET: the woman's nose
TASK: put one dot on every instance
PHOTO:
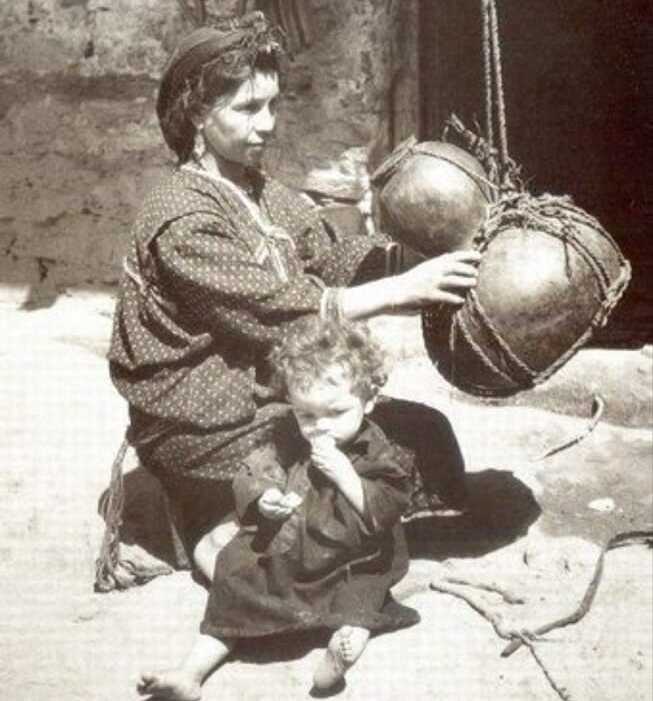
(265, 120)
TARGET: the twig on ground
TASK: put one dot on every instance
(523, 636)
(493, 618)
(598, 406)
(508, 596)
(560, 690)
(618, 540)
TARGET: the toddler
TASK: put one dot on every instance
(320, 543)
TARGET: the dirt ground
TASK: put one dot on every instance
(534, 527)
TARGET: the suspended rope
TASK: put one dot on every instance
(478, 348)
(495, 99)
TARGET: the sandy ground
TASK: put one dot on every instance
(534, 526)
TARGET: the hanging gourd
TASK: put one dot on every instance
(549, 274)
(433, 196)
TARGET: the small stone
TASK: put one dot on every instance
(87, 612)
(605, 505)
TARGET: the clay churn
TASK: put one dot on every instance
(550, 274)
(432, 196)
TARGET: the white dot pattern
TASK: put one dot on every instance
(190, 341)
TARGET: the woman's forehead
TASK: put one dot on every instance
(261, 85)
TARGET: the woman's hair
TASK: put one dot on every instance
(207, 64)
(313, 346)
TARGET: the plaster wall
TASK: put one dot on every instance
(79, 141)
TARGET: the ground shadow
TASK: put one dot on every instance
(281, 648)
(500, 510)
(145, 520)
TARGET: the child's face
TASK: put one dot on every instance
(329, 407)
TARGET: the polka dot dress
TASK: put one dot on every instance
(206, 292)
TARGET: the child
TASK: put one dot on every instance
(321, 542)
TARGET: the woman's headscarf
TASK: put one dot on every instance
(230, 49)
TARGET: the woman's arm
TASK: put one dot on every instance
(223, 288)
(442, 279)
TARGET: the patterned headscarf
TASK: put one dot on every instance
(229, 50)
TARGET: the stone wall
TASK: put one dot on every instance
(80, 144)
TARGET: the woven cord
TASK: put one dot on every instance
(498, 82)
(487, 66)
(554, 216)
(494, 90)
(111, 511)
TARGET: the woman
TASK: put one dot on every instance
(224, 261)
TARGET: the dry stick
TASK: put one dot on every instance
(506, 595)
(560, 690)
(619, 540)
(598, 406)
(495, 620)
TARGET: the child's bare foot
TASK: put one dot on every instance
(172, 685)
(345, 647)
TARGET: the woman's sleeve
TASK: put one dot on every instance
(336, 256)
(211, 273)
(347, 259)
(342, 259)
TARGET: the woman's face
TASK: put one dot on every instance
(237, 128)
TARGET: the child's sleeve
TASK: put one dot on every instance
(386, 487)
(259, 472)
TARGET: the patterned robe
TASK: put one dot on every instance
(208, 288)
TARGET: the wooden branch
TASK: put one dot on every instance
(618, 540)
(598, 406)
(508, 596)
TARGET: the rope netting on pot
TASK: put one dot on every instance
(550, 274)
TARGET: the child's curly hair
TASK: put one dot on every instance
(315, 345)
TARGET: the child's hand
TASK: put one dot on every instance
(275, 505)
(329, 460)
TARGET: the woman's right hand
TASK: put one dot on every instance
(446, 278)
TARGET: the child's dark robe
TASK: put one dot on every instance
(327, 565)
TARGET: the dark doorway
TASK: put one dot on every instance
(579, 98)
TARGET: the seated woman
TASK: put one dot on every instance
(224, 261)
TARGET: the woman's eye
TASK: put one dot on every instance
(248, 108)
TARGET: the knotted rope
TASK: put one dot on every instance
(111, 507)
(494, 94)
(512, 207)
(553, 216)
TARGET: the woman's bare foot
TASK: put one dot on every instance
(172, 685)
(345, 647)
